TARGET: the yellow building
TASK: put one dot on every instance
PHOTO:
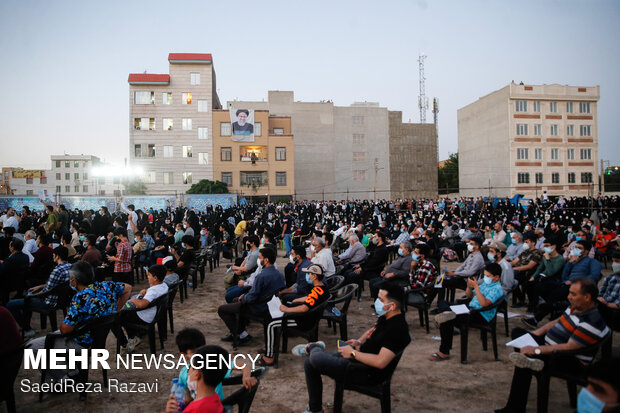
(263, 169)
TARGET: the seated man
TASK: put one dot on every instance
(602, 394)
(374, 264)
(516, 247)
(365, 358)
(157, 288)
(397, 272)
(248, 266)
(578, 266)
(525, 265)
(92, 300)
(13, 270)
(59, 275)
(266, 284)
(91, 255)
(423, 272)
(609, 296)
(355, 254)
(185, 257)
(497, 254)
(323, 255)
(300, 288)
(579, 326)
(472, 265)
(317, 295)
(171, 267)
(549, 270)
(481, 295)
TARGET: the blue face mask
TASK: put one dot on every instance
(308, 280)
(82, 237)
(183, 244)
(548, 250)
(589, 403)
(400, 252)
(415, 257)
(576, 252)
(379, 307)
(488, 280)
(491, 257)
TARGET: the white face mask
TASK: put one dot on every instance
(291, 259)
(312, 248)
(470, 248)
(192, 385)
(259, 263)
(615, 267)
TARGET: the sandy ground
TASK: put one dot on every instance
(482, 385)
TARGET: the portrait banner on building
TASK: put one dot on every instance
(242, 121)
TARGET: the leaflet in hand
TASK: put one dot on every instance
(523, 341)
(459, 309)
(274, 307)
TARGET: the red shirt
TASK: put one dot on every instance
(123, 253)
(211, 404)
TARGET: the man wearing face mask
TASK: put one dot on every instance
(516, 248)
(470, 267)
(397, 272)
(549, 270)
(496, 254)
(579, 235)
(374, 264)
(609, 296)
(323, 256)
(92, 254)
(578, 266)
(300, 288)
(602, 394)
(242, 272)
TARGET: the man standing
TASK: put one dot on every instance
(122, 260)
(287, 229)
(132, 220)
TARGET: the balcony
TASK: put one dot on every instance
(253, 154)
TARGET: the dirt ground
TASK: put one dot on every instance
(482, 385)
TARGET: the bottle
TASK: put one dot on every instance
(336, 312)
(178, 391)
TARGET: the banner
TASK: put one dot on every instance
(242, 125)
(29, 173)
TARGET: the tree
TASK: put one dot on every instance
(205, 186)
(448, 174)
(134, 187)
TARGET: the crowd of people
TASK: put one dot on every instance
(545, 256)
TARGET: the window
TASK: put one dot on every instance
(584, 130)
(225, 129)
(168, 151)
(101, 180)
(76, 176)
(280, 154)
(67, 176)
(521, 129)
(43, 180)
(555, 178)
(553, 107)
(194, 78)
(521, 153)
(67, 164)
(537, 129)
(227, 178)
(586, 154)
(166, 98)
(570, 130)
(67, 188)
(570, 154)
(258, 129)
(168, 123)
(359, 156)
(569, 107)
(359, 139)
(85, 175)
(58, 176)
(144, 150)
(187, 124)
(57, 164)
(186, 98)
(253, 178)
(143, 98)
(226, 154)
(538, 154)
(85, 188)
(539, 177)
(149, 177)
(187, 151)
(537, 106)
(29, 181)
(76, 164)
(102, 192)
(144, 123)
(554, 130)
(280, 178)
(203, 158)
(76, 188)
(278, 131)
(584, 107)
(359, 175)
(168, 178)
(29, 192)
(57, 188)
(571, 177)
(521, 105)
(523, 178)
(203, 133)
(586, 177)
(555, 154)
(203, 106)
(358, 120)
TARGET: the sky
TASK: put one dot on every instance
(64, 64)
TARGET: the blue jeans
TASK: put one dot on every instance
(16, 307)
(288, 243)
(233, 292)
(319, 362)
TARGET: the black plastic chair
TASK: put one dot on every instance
(543, 377)
(421, 299)
(334, 282)
(98, 328)
(64, 293)
(614, 325)
(379, 390)
(161, 303)
(242, 398)
(342, 295)
(172, 292)
(251, 316)
(9, 365)
(484, 327)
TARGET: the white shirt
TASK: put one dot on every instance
(324, 257)
(12, 222)
(131, 217)
(156, 291)
(30, 247)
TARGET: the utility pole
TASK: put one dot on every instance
(602, 177)
(422, 102)
(376, 175)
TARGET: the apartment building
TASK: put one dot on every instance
(170, 118)
(262, 169)
(528, 139)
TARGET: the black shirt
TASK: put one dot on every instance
(318, 295)
(288, 221)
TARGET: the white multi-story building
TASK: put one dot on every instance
(526, 139)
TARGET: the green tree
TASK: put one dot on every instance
(134, 187)
(205, 186)
(448, 175)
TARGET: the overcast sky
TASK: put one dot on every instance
(64, 64)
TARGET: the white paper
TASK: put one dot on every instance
(459, 309)
(274, 307)
(510, 315)
(523, 341)
(41, 194)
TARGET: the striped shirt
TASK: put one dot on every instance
(586, 328)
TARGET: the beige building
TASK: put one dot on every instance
(263, 169)
(170, 117)
(527, 139)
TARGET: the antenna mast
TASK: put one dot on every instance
(422, 101)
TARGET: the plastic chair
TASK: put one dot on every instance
(243, 398)
(379, 390)
(172, 292)
(342, 295)
(64, 293)
(420, 299)
(160, 319)
(334, 282)
(484, 327)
